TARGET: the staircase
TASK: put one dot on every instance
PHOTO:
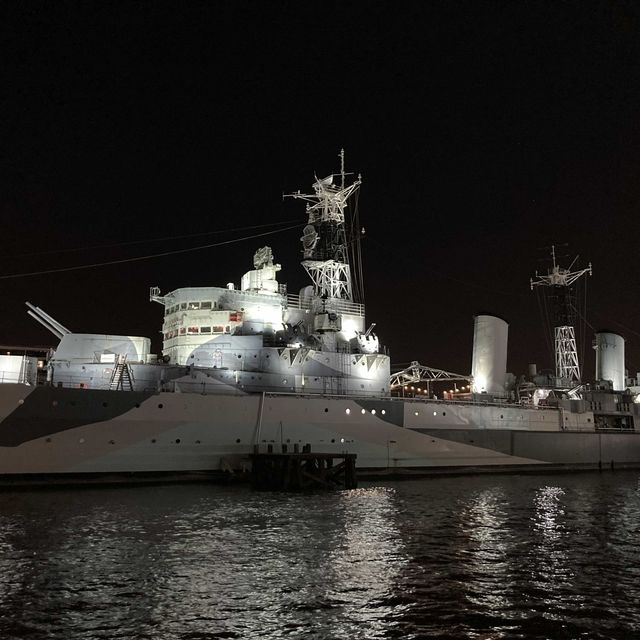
(122, 375)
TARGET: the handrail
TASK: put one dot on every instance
(334, 304)
(421, 401)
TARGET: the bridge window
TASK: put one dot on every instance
(194, 305)
(192, 329)
(205, 305)
(183, 305)
(205, 329)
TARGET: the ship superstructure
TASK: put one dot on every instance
(260, 338)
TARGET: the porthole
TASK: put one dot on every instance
(48, 440)
(105, 404)
(238, 440)
(383, 412)
(160, 406)
(444, 413)
(373, 412)
(435, 413)
(137, 405)
(417, 413)
(326, 410)
(177, 440)
(239, 356)
(153, 441)
(501, 416)
(197, 441)
(112, 441)
(333, 440)
(21, 401)
(347, 411)
(81, 441)
(363, 411)
(55, 403)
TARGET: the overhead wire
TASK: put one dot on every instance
(147, 257)
(148, 240)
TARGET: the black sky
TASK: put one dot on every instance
(483, 131)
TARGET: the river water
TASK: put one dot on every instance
(502, 556)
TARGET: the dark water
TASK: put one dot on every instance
(474, 557)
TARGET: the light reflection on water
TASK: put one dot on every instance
(475, 557)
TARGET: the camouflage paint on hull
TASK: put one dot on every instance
(81, 433)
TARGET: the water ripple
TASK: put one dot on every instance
(501, 557)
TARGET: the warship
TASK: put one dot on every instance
(251, 368)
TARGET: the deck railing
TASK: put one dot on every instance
(334, 304)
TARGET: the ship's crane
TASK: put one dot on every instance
(417, 372)
(560, 281)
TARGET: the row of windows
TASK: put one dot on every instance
(194, 330)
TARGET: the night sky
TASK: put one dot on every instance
(484, 132)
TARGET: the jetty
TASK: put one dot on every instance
(302, 471)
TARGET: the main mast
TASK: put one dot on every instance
(324, 238)
(560, 282)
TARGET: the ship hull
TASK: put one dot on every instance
(75, 434)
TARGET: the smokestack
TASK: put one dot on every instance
(489, 364)
(609, 348)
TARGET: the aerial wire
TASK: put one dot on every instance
(147, 257)
(132, 242)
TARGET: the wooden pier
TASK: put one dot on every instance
(304, 471)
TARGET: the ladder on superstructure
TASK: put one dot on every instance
(121, 376)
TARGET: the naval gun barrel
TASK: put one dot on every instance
(49, 323)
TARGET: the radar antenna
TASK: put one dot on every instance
(559, 282)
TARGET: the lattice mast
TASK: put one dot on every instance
(324, 239)
(560, 282)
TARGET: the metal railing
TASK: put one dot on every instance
(420, 401)
(334, 304)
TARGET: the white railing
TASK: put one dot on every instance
(334, 304)
(356, 396)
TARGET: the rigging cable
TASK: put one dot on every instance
(148, 257)
(131, 242)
